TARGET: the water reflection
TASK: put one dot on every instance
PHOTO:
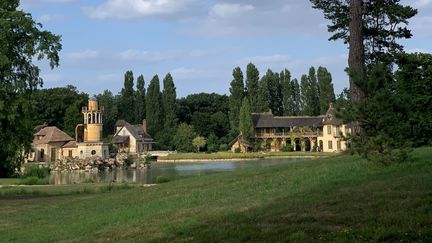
(169, 170)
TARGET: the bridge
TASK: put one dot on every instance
(160, 153)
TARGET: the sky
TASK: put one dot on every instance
(199, 42)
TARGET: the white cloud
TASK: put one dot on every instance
(422, 3)
(224, 10)
(147, 56)
(130, 9)
(50, 17)
(83, 55)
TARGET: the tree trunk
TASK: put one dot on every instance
(356, 61)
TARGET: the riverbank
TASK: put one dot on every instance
(342, 198)
(229, 156)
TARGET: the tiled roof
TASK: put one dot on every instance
(330, 117)
(51, 134)
(119, 139)
(136, 131)
(265, 120)
(70, 144)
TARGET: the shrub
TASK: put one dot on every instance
(34, 181)
(129, 160)
(287, 148)
(223, 147)
(237, 150)
(161, 179)
(88, 181)
(35, 171)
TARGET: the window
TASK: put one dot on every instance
(330, 144)
(70, 153)
(42, 154)
(93, 152)
(337, 130)
(338, 145)
(329, 128)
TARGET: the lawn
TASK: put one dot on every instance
(231, 155)
(341, 198)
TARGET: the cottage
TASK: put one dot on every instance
(132, 139)
(303, 133)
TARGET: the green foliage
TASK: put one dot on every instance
(129, 160)
(183, 138)
(21, 42)
(126, 102)
(296, 98)
(212, 143)
(36, 171)
(154, 107)
(310, 93)
(264, 98)
(287, 98)
(162, 179)
(252, 79)
(414, 83)
(34, 181)
(223, 147)
(246, 127)
(235, 100)
(237, 150)
(326, 90)
(287, 148)
(199, 143)
(110, 116)
(275, 92)
(384, 22)
(140, 100)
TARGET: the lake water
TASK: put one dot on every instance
(169, 170)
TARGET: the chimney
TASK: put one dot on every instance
(144, 124)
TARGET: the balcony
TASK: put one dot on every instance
(288, 134)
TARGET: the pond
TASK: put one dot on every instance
(168, 170)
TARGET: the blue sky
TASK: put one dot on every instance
(198, 41)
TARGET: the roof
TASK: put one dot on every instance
(50, 135)
(266, 120)
(119, 139)
(330, 117)
(137, 131)
(241, 141)
(70, 144)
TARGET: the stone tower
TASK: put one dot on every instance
(89, 134)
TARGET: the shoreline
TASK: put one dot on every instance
(241, 159)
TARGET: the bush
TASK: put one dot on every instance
(129, 160)
(223, 147)
(287, 148)
(35, 171)
(34, 181)
(161, 179)
(237, 150)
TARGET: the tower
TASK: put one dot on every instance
(89, 134)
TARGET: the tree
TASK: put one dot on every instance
(154, 107)
(309, 95)
(72, 117)
(140, 99)
(287, 99)
(110, 116)
(183, 138)
(237, 93)
(314, 91)
(264, 98)
(326, 90)
(296, 97)
(371, 28)
(245, 124)
(21, 40)
(199, 143)
(169, 96)
(252, 79)
(275, 92)
(126, 104)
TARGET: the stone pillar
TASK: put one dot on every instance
(312, 143)
(303, 145)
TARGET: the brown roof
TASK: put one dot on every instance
(330, 117)
(136, 131)
(266, 120)
(241, 141)
(50, 135)
(70, 144)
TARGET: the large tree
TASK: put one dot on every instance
(296, 97)
(109, 102)
(140, 104)
(326, 90)
(371, 28)
(252, 79)
(275, 91)
(154, 107)
(245, 122)
(235, 100)
(309, 94)
(287, 99)
(22, 40)
(264, 98)
(169, 96)
(127, 99)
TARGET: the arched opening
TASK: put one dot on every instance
(321, 146)
(297, 144)
(308, 145)
(42, 155)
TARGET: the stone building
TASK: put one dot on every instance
(132, 139)
(305, 133)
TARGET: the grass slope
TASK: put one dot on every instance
(341, 198)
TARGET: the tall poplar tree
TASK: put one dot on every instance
(245, 122)
(263, 95)
(127, 99)
(140, 100)
(314, 91)
(252, 79)
(296, 97)
(326, 93)
(288, 102)
(154, 107)
(235, 100)
(169, 96)
(275, 91)
(109, 102)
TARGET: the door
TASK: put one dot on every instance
(53, 154)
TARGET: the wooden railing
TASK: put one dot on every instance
(288, 134)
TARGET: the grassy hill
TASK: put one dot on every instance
(341, 198)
